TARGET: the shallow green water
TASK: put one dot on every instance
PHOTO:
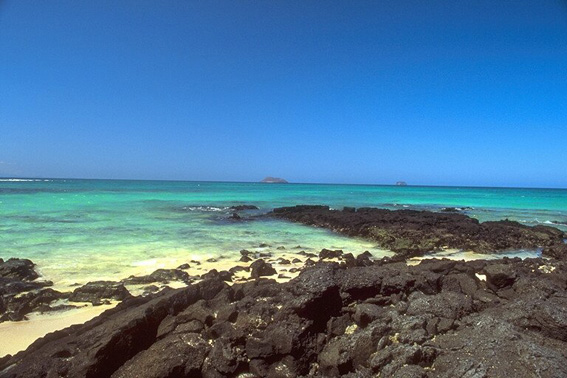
(77, 230)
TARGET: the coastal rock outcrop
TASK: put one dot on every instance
(260, 268)
(97, 291)
(16, 307)
(160, 275)
(435, 319)
(413, 233)
(274, 180)
(18, 269)
(21, 292)
(243, 207)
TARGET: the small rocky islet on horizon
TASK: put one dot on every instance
(341, 315)
(274, 180)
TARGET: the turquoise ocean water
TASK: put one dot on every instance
(80, 230)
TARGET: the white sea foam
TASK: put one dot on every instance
(151, 262)
(23, 180)
(555, 223)
(456, 254)
(205, 208)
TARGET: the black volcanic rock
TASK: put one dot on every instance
(103, 345)
(330, 254)
(21, 293)
(450, 209)
(411, 233)
(20, 269)
(95, 291)
(160, 275)
(13, 286)
(261, 268)
(244, 207)
(224, 275)
(15, 308)
(435, 319)
(499, 276)
(235, 216)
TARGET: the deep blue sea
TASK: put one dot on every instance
(80, 230)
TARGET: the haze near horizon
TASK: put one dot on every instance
(443, 93)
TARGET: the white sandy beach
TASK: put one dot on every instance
(17, 336)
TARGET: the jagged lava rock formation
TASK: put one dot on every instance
(436, 319)
(413, 233)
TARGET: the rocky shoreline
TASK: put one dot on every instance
(341, 316)
(413, 233)
(435, 319)
(22, 291)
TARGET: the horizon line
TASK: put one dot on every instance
(287, 183)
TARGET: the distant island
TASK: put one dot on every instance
(274, 180)
(401, 183)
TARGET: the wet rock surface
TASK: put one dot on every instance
(160, 275)
(435, 319)
(18, 269)
(413, 233)
(21, 292)
(244, 207)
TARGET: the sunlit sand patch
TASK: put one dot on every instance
(17, 336)
(546, 268)
(456, 254)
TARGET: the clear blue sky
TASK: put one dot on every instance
(430, 92)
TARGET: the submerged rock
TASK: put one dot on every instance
(244, 207)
